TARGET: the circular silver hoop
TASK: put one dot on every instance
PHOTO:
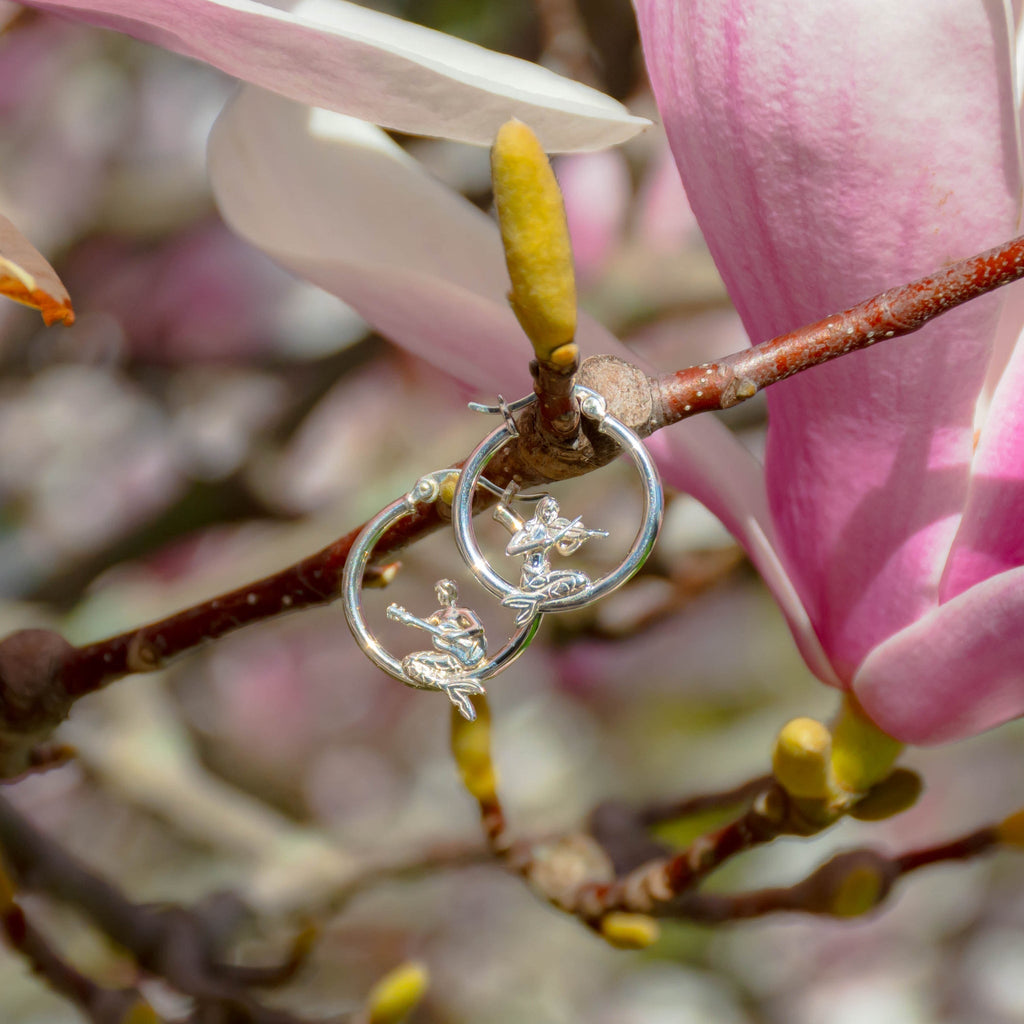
(468, 677)
(592, 405)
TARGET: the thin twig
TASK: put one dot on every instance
(822, 891)
(175, 943)
(673, 810)
(99, 1004)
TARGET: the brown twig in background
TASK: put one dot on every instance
(41, 675)
(848, 885)
(443, 857)
(564, 40)
(673, 810)
(182, 946)
(624, 830)
(580, 876)
(653, 887)
(99, 1004)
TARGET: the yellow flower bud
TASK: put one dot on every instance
(141, 1013)
(471, 746)
(536, 239)
(862, 754)
(397, 994)
(630, 931)
(446, 492)
(801, 759)
(1011, 830)
(858, 892)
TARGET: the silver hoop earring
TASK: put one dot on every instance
(543, 588)
(457, 664)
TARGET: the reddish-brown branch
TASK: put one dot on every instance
(537, 456)
(558, 415)
(970, 845)
(653, 887)
(891, 314)
(534, 458)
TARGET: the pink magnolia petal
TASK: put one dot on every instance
(991, 535)
(831, 151)
(26, 277)
(597, 191)
(341, 56)
(956, 671)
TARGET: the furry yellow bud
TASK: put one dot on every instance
(630, 931)
(471, 747)
(801, 759)
(397, 994)
(536, 239)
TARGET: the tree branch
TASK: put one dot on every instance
(181, 945)
(891, 314)
(36, 692)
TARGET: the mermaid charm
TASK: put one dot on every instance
(459, 647)
(535, 539)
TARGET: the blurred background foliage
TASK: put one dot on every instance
(209, 419)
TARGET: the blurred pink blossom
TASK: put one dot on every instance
(597, 193)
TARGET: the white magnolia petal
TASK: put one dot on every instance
(335, 201)
(341, 56)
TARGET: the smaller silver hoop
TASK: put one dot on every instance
(458, 664)
(542, 588)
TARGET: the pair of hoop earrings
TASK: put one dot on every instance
(458, 662)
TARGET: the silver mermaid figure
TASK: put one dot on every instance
(535, 539)
(459, 647)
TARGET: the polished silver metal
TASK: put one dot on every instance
(457, 664)
(541, 587)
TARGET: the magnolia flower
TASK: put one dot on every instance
(829, 152)
(342, 57)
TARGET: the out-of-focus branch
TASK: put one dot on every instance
(41, 675)
(581, 876)
(182, 946)
(848, 885)
(672, 810)
(565, 41)
(99, 1004)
